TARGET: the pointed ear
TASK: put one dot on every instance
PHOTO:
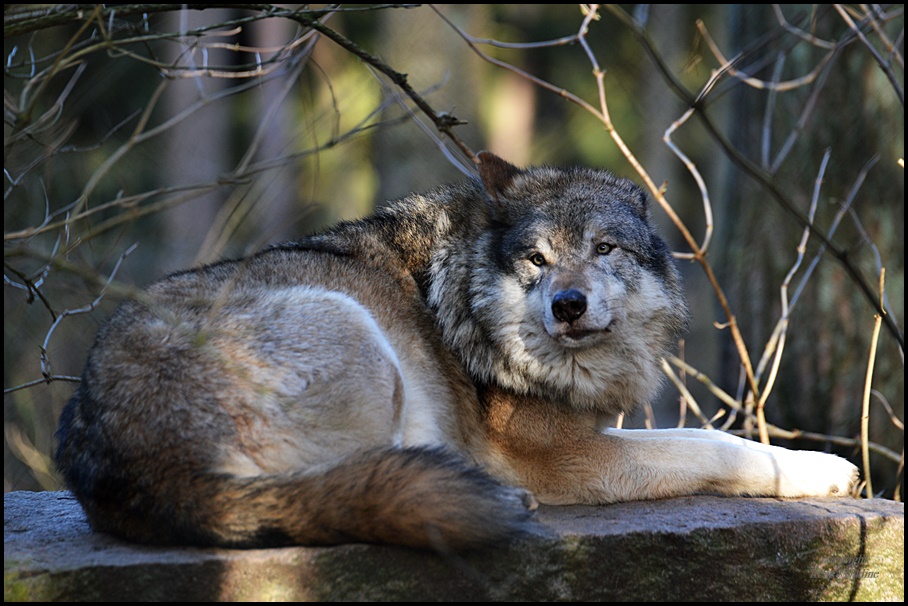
(639, 201)
(496, 174)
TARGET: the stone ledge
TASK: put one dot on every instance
(693, 548)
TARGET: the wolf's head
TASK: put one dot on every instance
(570, 292)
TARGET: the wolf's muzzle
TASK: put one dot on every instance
(568, 305)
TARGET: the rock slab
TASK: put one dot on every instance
(694, 548)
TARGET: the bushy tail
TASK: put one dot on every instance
(418, 497)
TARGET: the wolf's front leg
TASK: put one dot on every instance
(729, 465)
(562, 459)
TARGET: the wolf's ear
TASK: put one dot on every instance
(638, 200)
(496, 174)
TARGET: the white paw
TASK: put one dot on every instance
(815, 474)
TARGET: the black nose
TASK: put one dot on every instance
(568, 305)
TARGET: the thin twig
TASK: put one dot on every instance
(776, 343)
(865, 403)
(884, 65)
(688, 397)
(45, 361)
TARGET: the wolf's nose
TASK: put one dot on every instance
(568, 305)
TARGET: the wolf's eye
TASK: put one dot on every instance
(537, 259)
(604, 248)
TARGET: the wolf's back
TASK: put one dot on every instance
(419, 497)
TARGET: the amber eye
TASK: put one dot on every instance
(604, 248)
(537, 259)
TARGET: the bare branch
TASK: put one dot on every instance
(884, 65)
(764, 178)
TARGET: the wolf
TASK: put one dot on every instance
(421, 377)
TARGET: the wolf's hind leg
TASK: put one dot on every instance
(359, 382)
(321, 381)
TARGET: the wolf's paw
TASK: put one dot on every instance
(527, 499)
(816, 474)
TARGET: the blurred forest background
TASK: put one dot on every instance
(143, 139)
